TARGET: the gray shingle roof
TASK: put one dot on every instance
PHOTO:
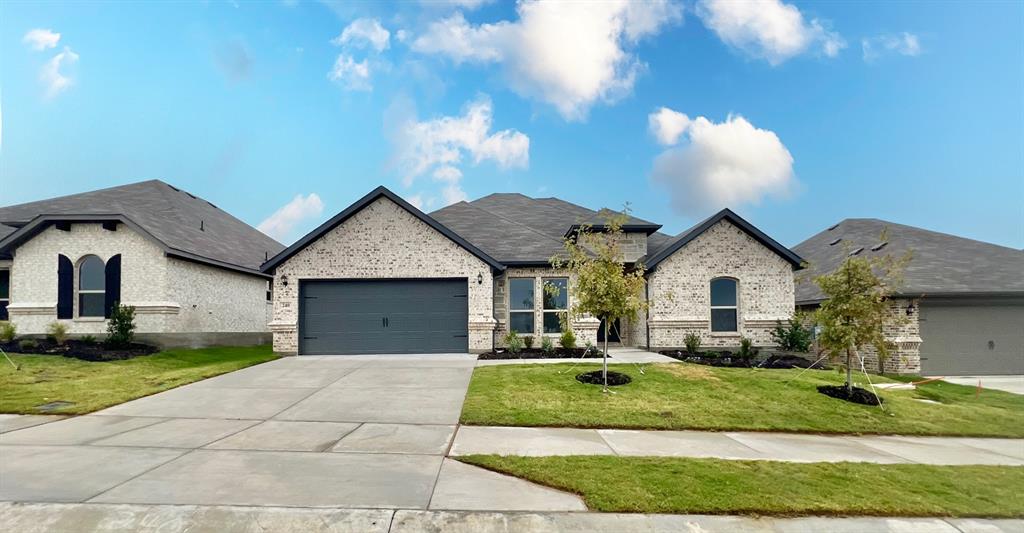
(941, 265)
(514, 228)
(169, 215)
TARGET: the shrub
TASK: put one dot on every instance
(528, 341)
(121, 326)
(692, 342)
(57, 332)
(28, 345)
(568, 339)
(747, 349)
(547, 346)
(792, 337)
(88, 339)
(513, 342)
(7, 331)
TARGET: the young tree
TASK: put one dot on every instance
(857, 307)
(603, 288)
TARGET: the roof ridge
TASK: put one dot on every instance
(926, 230)
(506, 219)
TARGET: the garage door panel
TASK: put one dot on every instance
(383, 316)
(972, 339)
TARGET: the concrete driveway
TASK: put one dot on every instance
(1014, 384)
(363, 432)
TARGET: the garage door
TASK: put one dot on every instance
(383, 316)
(972, 340)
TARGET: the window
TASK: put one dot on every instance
(520, 305)
(723, 304)
(5, 292)
(555, 303)
(91, 287)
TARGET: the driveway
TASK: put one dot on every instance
(369, 431)
(1014, 384)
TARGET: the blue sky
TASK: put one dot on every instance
(796, 115)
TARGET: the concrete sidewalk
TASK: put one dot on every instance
(79, 518)
(791, 447)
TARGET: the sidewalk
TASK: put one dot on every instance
(76, 518)
(791, 447)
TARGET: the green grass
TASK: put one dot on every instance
(688, 396)
(93, 386)
(713, 486)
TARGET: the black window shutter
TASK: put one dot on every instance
(65, 287)
(113, 284)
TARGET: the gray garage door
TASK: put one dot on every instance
(383, 316)
(972, 339)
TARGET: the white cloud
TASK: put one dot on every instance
(353, 75)
(364, 32)
(723, 164)
(905, 43)
(51, 75)
(568, 54)
(440, 145)
(40, 39)
(283, 222)
(667, 125)
(767, 29)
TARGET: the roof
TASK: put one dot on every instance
(182, 224)
(373, 195)
(941, 264)
(518, 230)
(670, 247)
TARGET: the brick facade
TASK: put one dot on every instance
(382, 241)
(903, 332)
(585, 329)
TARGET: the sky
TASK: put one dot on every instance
(795, 115)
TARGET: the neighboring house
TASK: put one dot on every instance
(384, 277)
(961, 301)
(190, 270)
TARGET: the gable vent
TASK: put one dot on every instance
(878, 246)
(835, 242)
(857, 251)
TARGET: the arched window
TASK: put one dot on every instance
(92, 287)
(723, 305)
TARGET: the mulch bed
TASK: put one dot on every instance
(861, 396)
(86, 351)
(596, 378)
(731, 360)
(537, 353)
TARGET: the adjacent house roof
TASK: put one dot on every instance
(182, 224)
(671, 246)
(941, 264)
(379, 192)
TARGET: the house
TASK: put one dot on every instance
(190, 269)
(961, 301)
(384, 277)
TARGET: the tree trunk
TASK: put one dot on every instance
(604, 372)
(849, 371)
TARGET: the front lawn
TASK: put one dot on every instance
(92, 386)
(688, 396)
(714, 486)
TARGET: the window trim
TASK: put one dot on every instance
(79, 291)
(545, 311)
(532, 311)
(712, 307)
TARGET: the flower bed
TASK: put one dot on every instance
(86, 351)
(537, 353)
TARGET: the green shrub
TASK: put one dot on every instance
(792, 337)
(568, 339)
(528, 341)
(7, 331)
(547, 346)
(28, 345)
(57, 332)
(121, 326)
(88, 339)
(747, 349)
(513, 342)
(692, 342)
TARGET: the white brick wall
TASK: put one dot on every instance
(170, 296)
(381, 241)
(680, 290)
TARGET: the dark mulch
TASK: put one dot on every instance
(86, 351)
(537, 353)
(596, 378)
(859, 395)
(792, 361)
(729, 359)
